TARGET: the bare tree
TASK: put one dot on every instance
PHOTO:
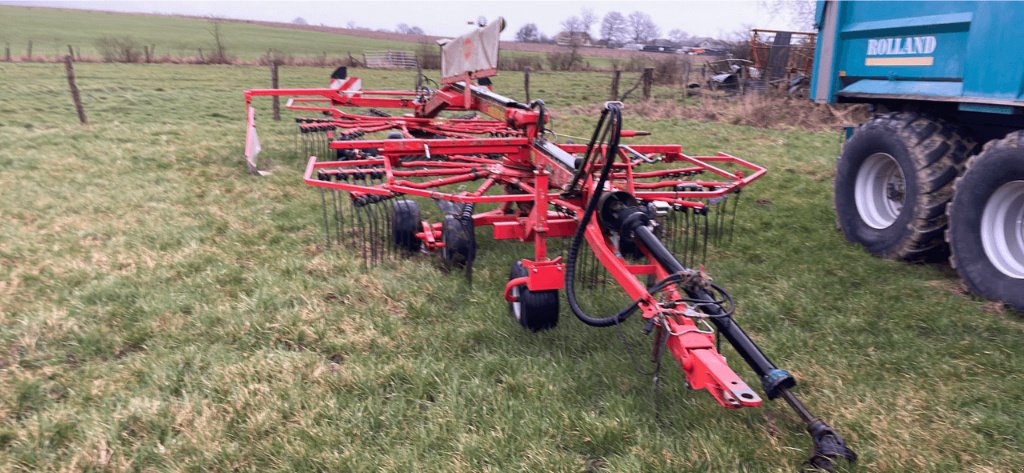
(613, 29)
(219, 55)
(528, 33)
(738, 42)
(587, 19)
(119, 49)
(572, 25)
(406, 29)
(799, 13)
(641, 27)
(679, 36)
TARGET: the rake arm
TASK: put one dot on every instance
(829, 446)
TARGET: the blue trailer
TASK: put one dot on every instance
(938, 171)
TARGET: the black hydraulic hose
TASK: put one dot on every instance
(611, 152)
(590, 148)
(725, 325)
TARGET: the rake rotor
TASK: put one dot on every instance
(637, 217)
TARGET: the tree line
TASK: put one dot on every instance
(614, 31)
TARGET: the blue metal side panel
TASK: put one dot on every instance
(995, 61)
(823, 84)
(878, 40)
(819, 9)
(906, 87)
(955, 49)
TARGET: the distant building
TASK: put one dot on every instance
(709, 45)
(654, 48)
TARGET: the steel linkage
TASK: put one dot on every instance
(638, 217)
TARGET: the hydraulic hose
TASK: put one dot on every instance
(613, 130)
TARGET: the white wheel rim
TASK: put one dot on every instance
(1002, 229)
(517, 307)
(880, 190)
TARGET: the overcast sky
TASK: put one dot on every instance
(448, 18)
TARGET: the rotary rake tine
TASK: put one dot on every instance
(719, 216)
(323, 206)
(360, 221)
(336, 209)
(384, 231)
(735, 208)
(704, 243)
(375, 232)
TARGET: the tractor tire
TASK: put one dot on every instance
(535, 310)
(459, 242)
(405, 223)
(986, 222)
(893, 181)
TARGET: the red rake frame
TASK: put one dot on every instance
(541, 193)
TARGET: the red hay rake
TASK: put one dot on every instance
(638, 217)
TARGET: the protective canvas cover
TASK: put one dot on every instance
(252, 140)
(472, 52)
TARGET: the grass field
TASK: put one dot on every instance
(52, 30)
(160, 309)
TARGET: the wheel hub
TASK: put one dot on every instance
(880, 191)
(1002, 229)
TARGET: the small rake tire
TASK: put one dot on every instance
(893, 182)
(459, 242)
(534, 310)
(405, 223)
(985, 234)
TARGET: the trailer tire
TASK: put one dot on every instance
(535, 310)
(405, 223)
(459, 241)
(986, 222)
(893, 181)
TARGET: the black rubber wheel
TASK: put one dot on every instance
(893, 182)
(986, 222)
(459, 242)
(405, 223)
(535, 310)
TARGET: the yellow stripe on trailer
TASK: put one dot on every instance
(900, 61)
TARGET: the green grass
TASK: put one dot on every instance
(52, 30)
(162, 310)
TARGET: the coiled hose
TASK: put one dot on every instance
(611, 132)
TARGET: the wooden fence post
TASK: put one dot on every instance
(273, 85)
(145, 50)
(648, 79)
(202, 59)
(686, 80)
(526, 83)
(71, 52)
(616, 76)
(70, 70)
(30, 50)
(7, 52)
